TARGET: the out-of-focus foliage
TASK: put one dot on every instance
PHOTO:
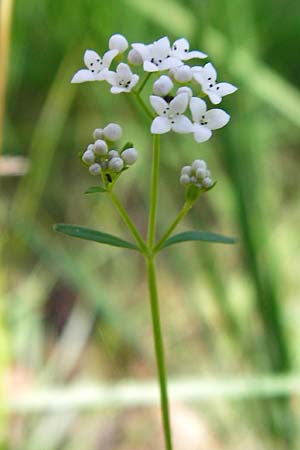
(73, 311)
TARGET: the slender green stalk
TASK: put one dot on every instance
(144, 82)
(153, 191)
(186, 207)
(159, 352)
(129, 223)
(143, 105)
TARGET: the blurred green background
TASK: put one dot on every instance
(74, 316)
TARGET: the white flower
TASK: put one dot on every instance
(170, 115)
(116, 164)
(98, 133)
(181, 51)
(96, 66)
(182, 74)
(112, 132)
(100, 147)
(123, 80)
(163, 86)
(129, 156)
(207, 76)
(88, 157)
(205, 121)
(113, 154)
(157, 56)
(118, 42)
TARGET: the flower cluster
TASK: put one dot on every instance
(102, 157)
(176, 93)
(196, 174)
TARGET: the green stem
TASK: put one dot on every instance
(129, 223)
(186, 207)
(153, 192)
(159, 352)
(144, 82)
(143, 105)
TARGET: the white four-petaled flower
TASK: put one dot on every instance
(96, 66)
(157, 56)
(206, 76)
(206, 121)
(123, 80)
(181, 50)
(170, 115)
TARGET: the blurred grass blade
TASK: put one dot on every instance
(198, 236)
(93, 235)
(94, 189)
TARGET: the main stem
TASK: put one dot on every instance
(157, 334)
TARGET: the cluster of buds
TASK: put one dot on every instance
(197, 174)
(102, 157)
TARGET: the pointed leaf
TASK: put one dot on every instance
(93, 189)
(198, 236)
(93, 235)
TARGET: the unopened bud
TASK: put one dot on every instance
(183, 74)
(95, 169)
(186, 170)
(98, 133)
(118, 42)
(135, 58)
(207, 182)
(163, 86)
(185, 179)
(201, 173)
(100, 147)
(129, 156)
(112, 132)
(113, 154)
(199, 164)
(185, 90)
(116, 164)
(88, 157)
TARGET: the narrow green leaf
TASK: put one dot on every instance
(198, 236)
(93, 189)
(93, 235)
(127, 145)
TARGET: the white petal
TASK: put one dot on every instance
(181, 45)
(150, 67)
(91, 58)
(213, 96)
(134, 80)
(224, 89)
(179, 103)
(162, 45)
(201, 133)
(83, 75)
(111, 77)
(118, 42)
(124, 71)
(160, 125)
(118, 90)
(199, 76)
(198, 108)
(142, 49)
(216, 118)
(169, 63)
(108, 57)
(182, 125)
(101, 75)
(158, 104)
(195, 54)
(210, 72)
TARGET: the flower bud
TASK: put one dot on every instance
(193, 180)
(129, 156)
(95, 169)
(112, 132)
(185, 90)
(100, 147)
(98, 133)
(104, 164)
(201, 173)
(207, 182)
(116, 164)
(135, 58)
(186, 170)
(91, 147)
(88, 157)
(183, 74)
(113, 154)
(163, 86)
(185, 179)
(199, 164)
(118, 42)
